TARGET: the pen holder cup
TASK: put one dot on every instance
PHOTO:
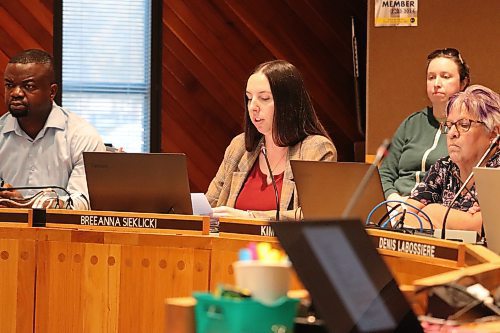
(266, 281)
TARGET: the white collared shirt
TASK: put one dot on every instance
(53, 158)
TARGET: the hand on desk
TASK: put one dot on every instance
(457, 219)
(224, 211)
(14, 199)
(9, 195)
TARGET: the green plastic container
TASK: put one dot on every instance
(226, 315)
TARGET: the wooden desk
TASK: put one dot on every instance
(91, 281)
(411, 258)
(116, 269)
(17, 278)
(16, 217)
(93, 278)
(115, 280)
(408, 257)
(241, 228)
(236, 233)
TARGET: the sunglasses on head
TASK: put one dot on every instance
(449, 51)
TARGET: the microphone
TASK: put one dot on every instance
(264, 152)
(69, 202)
(381, 153)
(467, 180)
(45, 187)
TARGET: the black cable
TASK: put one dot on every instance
(273, 181)
(388, 213)
(420, 211)
(69, 202)
(355, 62)
(401, 220)
(46, 187)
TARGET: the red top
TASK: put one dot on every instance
(256, 194)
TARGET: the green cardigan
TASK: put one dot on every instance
(416, 145)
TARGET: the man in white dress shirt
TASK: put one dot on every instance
(41, 144)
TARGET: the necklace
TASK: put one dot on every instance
(268, 178)
(277, 163)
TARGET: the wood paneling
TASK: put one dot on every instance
(112, 286)
(24, 24)
(210, 48)
(398, 56)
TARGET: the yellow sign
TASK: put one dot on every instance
(397, 13)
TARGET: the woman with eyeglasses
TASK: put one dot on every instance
(418, 142)
(472, 124)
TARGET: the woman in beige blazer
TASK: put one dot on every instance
(281, 118)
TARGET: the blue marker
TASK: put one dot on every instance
(245, 254)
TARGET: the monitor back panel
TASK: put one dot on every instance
(488, 192)
(138, 182)
(325, 188)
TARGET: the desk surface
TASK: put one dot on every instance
(116, 280)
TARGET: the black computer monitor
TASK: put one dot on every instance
(351, 287)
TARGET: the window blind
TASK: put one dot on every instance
(106, 68)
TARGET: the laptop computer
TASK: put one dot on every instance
(488, 191)
(351, 287)
(138, 182)
(324, 189)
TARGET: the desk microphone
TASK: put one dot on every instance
(481, 160)
(381, 153)
(49, 187)
(264, 152)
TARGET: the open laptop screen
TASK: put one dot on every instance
(350, 285)
(488, 191)
(324, 189)
(138, 182)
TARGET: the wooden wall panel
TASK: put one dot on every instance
(210, 48)
(24, 24)
(396, 75)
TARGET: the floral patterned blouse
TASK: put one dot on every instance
(443, 181)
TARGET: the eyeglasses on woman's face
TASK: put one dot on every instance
(462, 125)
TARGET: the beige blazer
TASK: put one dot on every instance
(237, 163)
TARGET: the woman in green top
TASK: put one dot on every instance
(418, 142)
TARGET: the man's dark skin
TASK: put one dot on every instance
(29, 93)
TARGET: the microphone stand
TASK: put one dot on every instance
(264, 152)
(481, 160)
(355, 197)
